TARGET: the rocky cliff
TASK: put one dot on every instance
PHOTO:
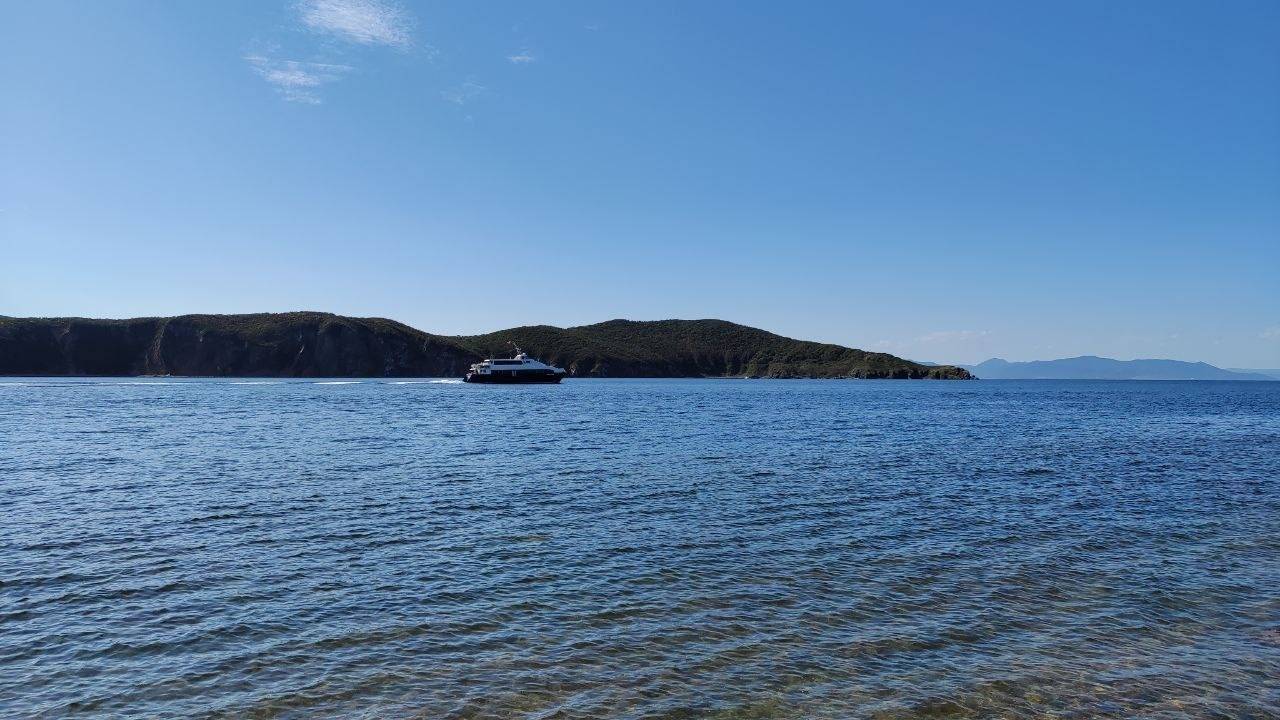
(286, 345)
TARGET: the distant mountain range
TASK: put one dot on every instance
(313, 344)
(1089, 367)
(1271, 373)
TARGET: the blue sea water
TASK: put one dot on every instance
(639, 549)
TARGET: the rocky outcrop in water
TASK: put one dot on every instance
(311, 344)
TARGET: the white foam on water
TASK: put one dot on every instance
(338, 382)
(259, 382)
(14, 384)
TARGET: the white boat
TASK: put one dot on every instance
(519, 369)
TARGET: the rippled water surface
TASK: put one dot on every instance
(638, 549)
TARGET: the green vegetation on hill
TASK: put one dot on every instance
(299, 344)
(311, 344)
(696, 348)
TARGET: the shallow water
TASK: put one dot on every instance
(636, 549)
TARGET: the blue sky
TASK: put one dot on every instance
(944, 181)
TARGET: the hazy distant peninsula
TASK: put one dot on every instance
(314, 344)
(1268, 373)
(1089, 367)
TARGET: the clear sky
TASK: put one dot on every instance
(945, 181)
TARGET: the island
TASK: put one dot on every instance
(1091, 367)
(317, 344)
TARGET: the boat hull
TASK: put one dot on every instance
(516, 377)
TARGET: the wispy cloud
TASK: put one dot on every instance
(524, 57)
(1271, 333)
(464, 93)
(297, 81)
(367, 22)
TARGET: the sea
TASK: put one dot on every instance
(378, 548)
